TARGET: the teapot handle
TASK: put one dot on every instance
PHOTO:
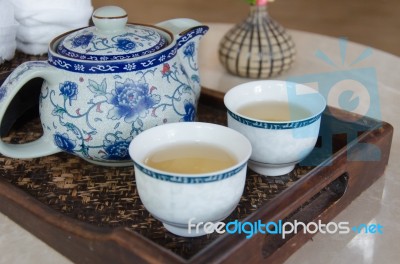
(179, 26)
(21, 75)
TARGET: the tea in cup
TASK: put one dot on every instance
(281, 119)
(190, 172)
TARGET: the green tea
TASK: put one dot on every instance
(191, 158)
(274, 111)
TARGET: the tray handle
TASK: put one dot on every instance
(308, 212)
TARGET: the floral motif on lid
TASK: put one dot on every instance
(112, 39)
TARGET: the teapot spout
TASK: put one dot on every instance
(185, 30)
(187, 34)
(180, 26)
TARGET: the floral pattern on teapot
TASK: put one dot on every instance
(94, 106)
(86, 45)
(123, 104)
(90, 66)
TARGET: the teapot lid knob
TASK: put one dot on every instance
(110, 19)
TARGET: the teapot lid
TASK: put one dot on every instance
(112, 38)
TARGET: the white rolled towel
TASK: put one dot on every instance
(8, 31)
(42, 20)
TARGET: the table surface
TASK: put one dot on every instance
(380, 204)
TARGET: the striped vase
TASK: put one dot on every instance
(258, 47)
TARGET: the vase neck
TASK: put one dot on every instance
(257, 14)
(257, 10)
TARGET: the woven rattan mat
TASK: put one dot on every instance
(107, 197)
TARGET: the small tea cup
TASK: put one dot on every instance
(277, 145)
(179, 198)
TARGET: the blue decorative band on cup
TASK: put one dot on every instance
(82, 66)
(189, 180)
(277, 126)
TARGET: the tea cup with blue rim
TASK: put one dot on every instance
(281, 119)
(185, 200)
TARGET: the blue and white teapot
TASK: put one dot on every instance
(105, 84)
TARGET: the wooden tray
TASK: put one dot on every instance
(93, 214)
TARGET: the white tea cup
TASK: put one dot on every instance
(176, 198)
(278, 145)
